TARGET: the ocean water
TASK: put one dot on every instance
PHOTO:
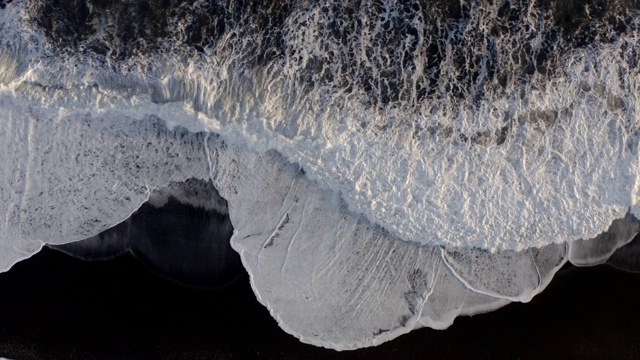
(384, 165)
(182, 240)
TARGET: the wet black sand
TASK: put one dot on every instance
(53, 306)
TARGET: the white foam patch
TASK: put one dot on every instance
(194, 195)
(69, 176)
(567, 169)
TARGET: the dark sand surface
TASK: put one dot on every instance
(53, 306)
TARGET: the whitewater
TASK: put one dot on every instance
(386, 165)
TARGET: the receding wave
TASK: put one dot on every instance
(385, 165)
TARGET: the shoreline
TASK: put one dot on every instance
(59, 307)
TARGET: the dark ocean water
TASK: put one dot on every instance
(56, 307)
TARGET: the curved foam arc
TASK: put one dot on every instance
(11, 255)
(490, 197)
(63, 191)
(190, 193)
(627, 257)
(117, 240)
(453, 299)
(356, 286)
(328, 277)
(599, 249)
(223, 169)
(514, 276)
(183, 241)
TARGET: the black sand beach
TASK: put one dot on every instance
(56, 307)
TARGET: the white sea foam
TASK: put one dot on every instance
(568, 168)
(347, 252)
